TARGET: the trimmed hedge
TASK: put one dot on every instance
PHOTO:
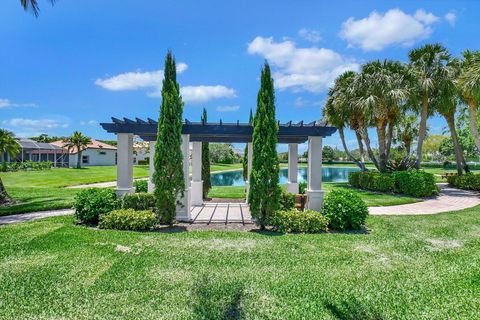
(140, 185)
(467, 182)
(415, 183)
(89, 204)
(128, 219)
(294, 221)
(139, 201)
(344, 209)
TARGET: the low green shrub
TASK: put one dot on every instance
(89, 204)
(27, 166)
(307, 221)
(354, 179)
(287, 200)
(344, 209)
(140, 185)
(128, 219)
(302, 187)
(415, 183)
(138, 201)
(383, 183)
(467, 182)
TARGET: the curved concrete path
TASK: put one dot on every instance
(449, 199)
(22, 217)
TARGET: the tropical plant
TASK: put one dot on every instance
(79, 142)
(207, 184)
(469, 88)
(429, 65)
(33, 6)
(168, 176)
(264, 194)
(406, 131)
(10, 146)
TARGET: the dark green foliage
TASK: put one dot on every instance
(293, 221)
(140, 185)
(128, 219)
(245, 152)
(222, 153)
(344, 210)
(89, 204)
(264, 190)
(139, 201)
(168, 177)
(27, 166)
(302, 187)
(467, 181)
(415, 183)
(207, 184)
(287, 200)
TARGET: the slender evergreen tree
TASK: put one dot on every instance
(264, 192)
(207, 184)
(168, 177)
(245, 152)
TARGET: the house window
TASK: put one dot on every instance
(85, 159)
(102, 153)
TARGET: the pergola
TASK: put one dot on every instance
(198, 132)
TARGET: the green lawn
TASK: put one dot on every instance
(422, 267)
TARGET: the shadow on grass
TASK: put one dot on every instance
(351, 309)
(216, 300)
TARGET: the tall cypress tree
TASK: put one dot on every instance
(245, 153)
(168, 176)
(264, 192)
(207, 184)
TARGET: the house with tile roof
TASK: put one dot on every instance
(97, 153)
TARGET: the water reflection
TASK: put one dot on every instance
(235, 178)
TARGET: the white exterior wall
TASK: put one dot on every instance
(95, 158)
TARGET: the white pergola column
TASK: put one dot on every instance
(151, 156)
(183, 210)
(314, 191)
(292, 184)
(249, 166)
(124, 163)
(197, 182)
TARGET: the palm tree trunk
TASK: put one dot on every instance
(361, 149)
(349, 154)
(366, 138)
(390, 136)
(456, 145)
(79, 159)
(4, 196)
(472, 111)
(422, 131)
(382, 146)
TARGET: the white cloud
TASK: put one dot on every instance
(31, 127)
(89, 123)
(310, 35)
(395, 27)
(451, 18)
(136, 80)
(227, 108)
(199, 94)
(6, 103)
(301, 69)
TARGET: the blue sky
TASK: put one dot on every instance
(82, 62)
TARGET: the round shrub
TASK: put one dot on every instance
(468, 181)
(354, 179)
(287, 200)
(307, 221)
(140, 185)
(89, 204)
(128, 219)
(415, 183)
(345, 210)
(383, 183)
(139, 201)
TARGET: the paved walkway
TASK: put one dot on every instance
(449, 199)
(226, 213)
(34, 215)
(109, 184)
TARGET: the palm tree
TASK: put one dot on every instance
(429, 64)
(10, 146)
(469, 88)
(33, 6)
(79, 142)
(339, 112)
(406, 131)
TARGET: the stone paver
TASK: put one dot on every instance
(221, 213)
(449, 199)
(34, 215)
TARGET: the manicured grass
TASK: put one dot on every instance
(422, 267)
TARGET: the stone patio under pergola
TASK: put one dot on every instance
(193, 208)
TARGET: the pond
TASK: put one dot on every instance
(329, 174)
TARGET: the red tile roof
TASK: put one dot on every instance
(94, 145)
